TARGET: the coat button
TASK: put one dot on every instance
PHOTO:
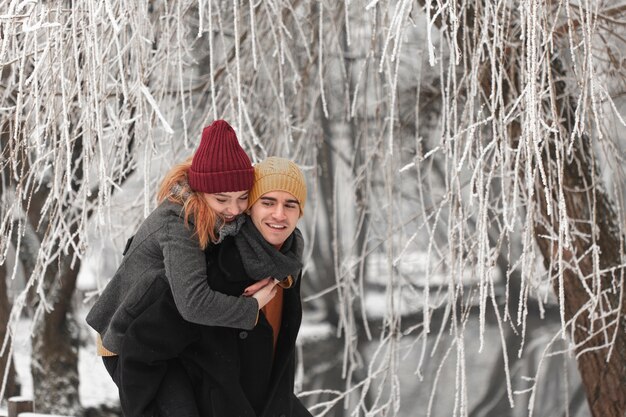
(243, 334)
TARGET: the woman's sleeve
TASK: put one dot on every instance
(186, 271)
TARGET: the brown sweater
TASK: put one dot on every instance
(274, 312)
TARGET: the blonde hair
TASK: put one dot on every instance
(193, 203)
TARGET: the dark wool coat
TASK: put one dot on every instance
(165, 249)
(235, 372)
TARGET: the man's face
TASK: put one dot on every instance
(275, 214)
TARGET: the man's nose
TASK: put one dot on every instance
(279, 212)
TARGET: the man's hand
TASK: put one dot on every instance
(263, 291)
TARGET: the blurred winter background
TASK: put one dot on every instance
(465, 164)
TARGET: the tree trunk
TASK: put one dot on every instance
(603, 375)
(54, 361)
(598, 329)
(54, 364)
(12, 385)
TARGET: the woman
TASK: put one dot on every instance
(199, 204)
(234, 372)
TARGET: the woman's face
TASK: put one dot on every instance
(228, 205)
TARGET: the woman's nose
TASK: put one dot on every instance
(233, 209)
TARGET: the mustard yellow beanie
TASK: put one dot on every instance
(278, 174)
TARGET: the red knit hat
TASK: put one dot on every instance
(220, 165)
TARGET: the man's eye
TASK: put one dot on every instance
(290, 206)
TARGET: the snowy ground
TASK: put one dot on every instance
(96, 385)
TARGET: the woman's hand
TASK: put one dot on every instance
(263, 291)
(252, 289)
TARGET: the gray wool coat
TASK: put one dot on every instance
(165, 249)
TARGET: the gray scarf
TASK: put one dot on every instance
(224, 229)
(181, 189)
(262, 260)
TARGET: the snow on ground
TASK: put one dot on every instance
(96, 386)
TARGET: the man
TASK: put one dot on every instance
(233, 372)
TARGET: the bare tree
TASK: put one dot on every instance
(449, 146)
(70, 138)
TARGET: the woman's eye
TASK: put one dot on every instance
(221, 201)
(244, 198)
